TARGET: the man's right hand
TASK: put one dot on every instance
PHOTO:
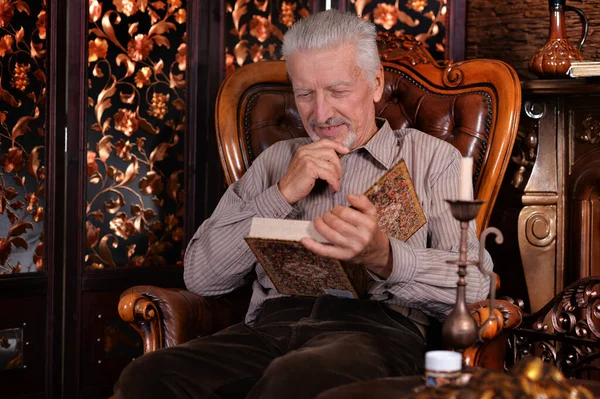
(317, 160)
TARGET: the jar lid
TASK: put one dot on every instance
(443, 361)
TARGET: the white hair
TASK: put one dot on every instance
(332, 29)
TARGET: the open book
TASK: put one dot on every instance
(294, 270)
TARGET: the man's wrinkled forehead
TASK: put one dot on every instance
(346, 47)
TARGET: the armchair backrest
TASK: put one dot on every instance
(473, 105)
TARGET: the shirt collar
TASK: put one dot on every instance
(382, 146)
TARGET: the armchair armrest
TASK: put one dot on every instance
(490, 350)
(166, 317)
(507, 316)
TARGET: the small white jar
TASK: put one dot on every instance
(442, 367)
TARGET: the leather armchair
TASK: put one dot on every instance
(474, 105)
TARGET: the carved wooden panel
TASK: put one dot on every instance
(539, 223)
(565, 332)
(557, 159)
(584, 127)
(23, 73)
(136, 69)
(584, 184)
(537, 244)
(513, 31)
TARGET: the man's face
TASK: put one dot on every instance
(333, 96)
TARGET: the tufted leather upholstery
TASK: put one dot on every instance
(473, 105)
(462, 119)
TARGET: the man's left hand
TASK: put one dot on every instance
(354, 236)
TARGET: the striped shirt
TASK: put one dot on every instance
(218, 260)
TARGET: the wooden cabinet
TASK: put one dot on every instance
(556, 171)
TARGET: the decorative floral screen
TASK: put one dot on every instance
(136, 70)
(22, 135)
(255, 28)
(424, 19)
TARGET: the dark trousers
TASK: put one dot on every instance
(298, 348)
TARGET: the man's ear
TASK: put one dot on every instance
(378, 84)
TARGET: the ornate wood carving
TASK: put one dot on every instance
(540, 229)
(566, 330)
(403, 47)
(525, 149)
(585, 210)
(537, 244)
(558, 224)
(590, 132)
(453, 76)
(538, 176)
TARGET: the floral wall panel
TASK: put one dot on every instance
(424, 19)
(255, 28)
(136, 71)
(22, 134)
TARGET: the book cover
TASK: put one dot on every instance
(399, 209)
(294, 270)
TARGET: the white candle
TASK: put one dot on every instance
(465, 182)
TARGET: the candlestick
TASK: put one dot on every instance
(465, 182)
(459, 330)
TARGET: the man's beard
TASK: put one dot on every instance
(348, 140)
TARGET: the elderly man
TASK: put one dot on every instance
(296, 347)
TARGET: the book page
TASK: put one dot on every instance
(284, 229)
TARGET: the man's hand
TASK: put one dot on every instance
(353, 236)
(318, 160)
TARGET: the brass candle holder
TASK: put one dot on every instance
(459, 330)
